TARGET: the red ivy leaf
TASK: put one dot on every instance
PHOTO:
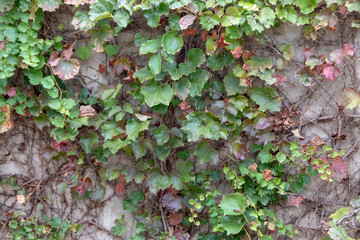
(237, 52)
(67, 51)
(338, 55)
(295, 200)
(54, 59)
(11, 91)
(239, 150)
(120, 185)
(330, 71)
(339, 165)
(87, 182)
(63, 146)
(204, 35)
(186, 21)
(87, 111)
(279, 79)
(102, 68)
(2, 45)
(267, 174)
(175, 218)
(307, 52)
(80, 189)
(222, 43)
(190, 32)
(67, 69)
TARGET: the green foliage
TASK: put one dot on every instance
(193, 106)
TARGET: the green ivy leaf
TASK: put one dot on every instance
(35, 76)
(306, 6)
(97, 193)
(110, 129)
(6, 5)
(171, 42)
(83, 52)
(155, 64)
(161, 134)
(122, 18)
(155, 93)
(111, 50)
(196, 56)
(339, 213)
(153, 14)
(232, 224)
(100, 36)
(134, 127)
(149, 46)
(233, 204)
(157, 181)
(267, 17)
(198, 80)
(232, 84)
(100, 9)
(88, 141)
(175, 73)
(49, 5)
(182, 88)
(82, 21)
(205, 153)
(267, 99)
(143, 74)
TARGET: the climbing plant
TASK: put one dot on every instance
(203, 111)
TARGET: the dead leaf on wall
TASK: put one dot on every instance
(8, 122)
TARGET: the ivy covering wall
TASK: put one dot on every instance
(203, 110)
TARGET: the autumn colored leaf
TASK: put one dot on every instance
(191, 32)
(222, 43)
(237, 52)
(295, 200)
(253, 166)
(11, 91)
(20, 198)
(49, 5)
(184, 105)
(80, 189)
(204, 35)
(279, 79)
(102, 68)
(351, 98)
(2, 45)
(120, 184)
(186, 21)
(8, 123)
(338, 55)
(239, 150)
(67, 69)
(307, 52)
(63, 146)
(267, 174)
(175, 218)
(78, 2)
(54, 59)
(87, 111)
(329, 71)
(339, 165)
(67, 51)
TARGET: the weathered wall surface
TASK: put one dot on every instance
(23, 147)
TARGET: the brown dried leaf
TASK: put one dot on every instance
(20, 199)
(87, 111)
(175, 218)
(253, 167)
(120, 185)
(8, 122)
(267, 174)
(297, 134)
